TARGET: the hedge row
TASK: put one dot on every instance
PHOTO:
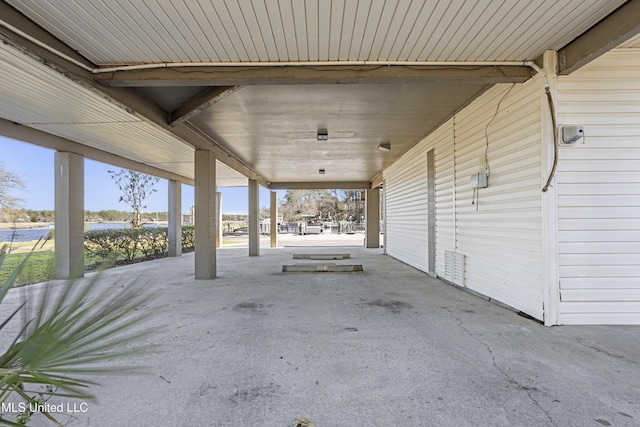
(131, 243)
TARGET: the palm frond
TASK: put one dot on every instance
(69, 332)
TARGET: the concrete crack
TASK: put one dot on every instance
(535, 402)
(605, 352)
(504, 373)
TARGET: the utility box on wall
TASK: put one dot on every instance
(571, 134)
(479, 180)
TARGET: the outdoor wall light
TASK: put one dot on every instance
(385, 146)
(321, 171)
(323, 135)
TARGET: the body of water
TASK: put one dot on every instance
(29, 234)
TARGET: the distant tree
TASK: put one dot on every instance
(111, 215)
(354, 204)
(265, 212)
(136, 187)
(235, 217)
(334, 205)
(9, 181)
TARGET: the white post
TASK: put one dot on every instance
(372, 217)
(175, 218)
(274, 220)
(254, 210)
(551, 284)
(205, 226)
(69, 215)
(219, 219)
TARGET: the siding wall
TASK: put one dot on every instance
(442, 141)
(501, 235)
(406, 210)
(599, 193)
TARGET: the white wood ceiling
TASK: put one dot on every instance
(122, 32)
(39, 97)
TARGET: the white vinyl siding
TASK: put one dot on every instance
(406, 210)
(501, 233)
(407, 216)
(442, 141)
(501, 236)
(599, 193)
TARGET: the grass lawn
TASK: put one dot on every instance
(45, 245)
(39, 267)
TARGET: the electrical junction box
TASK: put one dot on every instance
(479, 180)
(570, 134)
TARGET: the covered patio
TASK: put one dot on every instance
(282, 95)
(386, 346)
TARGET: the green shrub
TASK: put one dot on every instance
(153, 242)
(102, 243)
(188, 237)
(130, 243)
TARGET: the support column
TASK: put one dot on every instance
(69, 214)
(205, 209)
(372, 216)
(273, 227)
(175, 218)
(254, 210)
(219, 219)
(384, 218)
(551, 295)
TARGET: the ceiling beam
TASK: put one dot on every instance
(124, 98)
(320, 185)
(152, 114)
(201, 102)
(37, 137)
(335, 74)
(29, 29)
(615, 29)
(377, 181)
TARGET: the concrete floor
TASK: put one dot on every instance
(386, 347)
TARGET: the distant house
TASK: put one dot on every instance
(189, 218)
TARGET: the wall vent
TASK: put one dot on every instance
(454, 268)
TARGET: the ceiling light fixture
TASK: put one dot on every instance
(385, 146)
(323, 135)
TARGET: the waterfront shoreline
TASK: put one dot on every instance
(24, 225)
(29, 225)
